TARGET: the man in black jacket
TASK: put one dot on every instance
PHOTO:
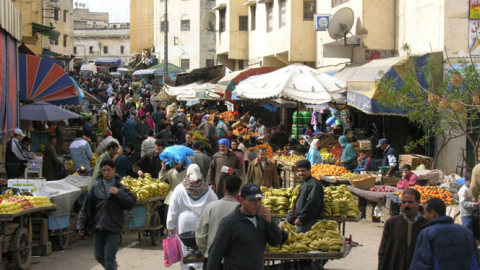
(150, 163)
(309, 205)
(242, 236)
(104, 206)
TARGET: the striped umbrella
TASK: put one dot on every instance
(43, 80)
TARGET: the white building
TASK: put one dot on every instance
(189, 46)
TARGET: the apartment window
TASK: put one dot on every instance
(74, 50)
(282, 16)
(105, 49)
(65, 38)
(90, 50)
(253, 13)
(269, 17)
(222, 20)
(336, 3)
(185, 63)
(115, 26)
(185, 25)
(122, 49)
(210, 63)
(309, 8)
(243, 23)
(163, 26)
(65, 12)
(53, 42)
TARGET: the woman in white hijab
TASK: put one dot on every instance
(188, 201)
(313, 155)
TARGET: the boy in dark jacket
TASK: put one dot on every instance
(104, 206)
(309, 205)
(443, 244)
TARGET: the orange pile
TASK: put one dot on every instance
(327, 169)
(266, 146)
(227, 115)
(429, 192)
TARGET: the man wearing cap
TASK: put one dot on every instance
(389, 156)
(224, 163)
(103, 145)
(14, 156)
(242, 235)
(81, 152)
(309, 205)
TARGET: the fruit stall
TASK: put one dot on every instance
(24, 230)
(144, 217)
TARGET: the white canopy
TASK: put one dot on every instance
(295, 82)
(194, 91)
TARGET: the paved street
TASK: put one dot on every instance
(141, 255)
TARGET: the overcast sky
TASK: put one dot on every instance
(119, 9)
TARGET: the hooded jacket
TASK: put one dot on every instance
(348, 154)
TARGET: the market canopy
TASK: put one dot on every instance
(43, 80)
(143, 72)
(296, 82)
(109, 62)
(42, 111)
(361, 82)
(228, 83)
(205, 91)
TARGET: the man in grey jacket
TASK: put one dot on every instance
(242, 235)
(309, 205)
(199, 158)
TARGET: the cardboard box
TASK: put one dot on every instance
(33, 186)
(365, 144)
(416, 160)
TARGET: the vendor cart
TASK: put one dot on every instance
(21, 232)
(340, 220)
(144, 217)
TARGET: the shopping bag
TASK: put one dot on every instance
(172, 250)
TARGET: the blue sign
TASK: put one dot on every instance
(321, 22)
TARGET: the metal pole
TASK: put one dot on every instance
(165, 68)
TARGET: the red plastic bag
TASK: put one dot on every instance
(172, 250)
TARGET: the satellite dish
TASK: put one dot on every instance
(341, 23)
(208, 22)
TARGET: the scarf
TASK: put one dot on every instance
(193, 183)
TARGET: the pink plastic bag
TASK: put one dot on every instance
(172, 250)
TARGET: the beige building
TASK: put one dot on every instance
(265, 33)
(142, 25)
(189, 45)
(83, 18)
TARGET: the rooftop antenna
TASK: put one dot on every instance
(341, 24)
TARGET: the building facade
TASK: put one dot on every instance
(189, 45)
(95, 37)
(141, 23)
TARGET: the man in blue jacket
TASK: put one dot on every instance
(443, 244)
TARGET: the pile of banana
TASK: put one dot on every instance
(323, 236)
(93, 161)
(339, 202)
(146, 187)
(70, 166)
(279, 201)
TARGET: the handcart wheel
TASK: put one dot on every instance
(155, 235)
(62, 241)
(22, 253)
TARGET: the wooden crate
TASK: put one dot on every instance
(416, 160)
(365, 144)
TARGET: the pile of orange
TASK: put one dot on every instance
(327, 169)
(227, 116)
(429, 192)
(266, 146)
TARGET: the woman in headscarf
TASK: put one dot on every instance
(348, 159)
(188, 201)
(238, 152)
(128, 131)
(313, 155)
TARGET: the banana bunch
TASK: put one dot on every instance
(94, 159)
(339, 202)
(69, 166)
(277, 205)
(8, 194)
(145, 188)
(288, 227)
(325, 225)
(333, 244)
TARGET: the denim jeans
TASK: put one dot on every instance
(105, 247)
(467, 221)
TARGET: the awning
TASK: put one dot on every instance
(143, 72)
(45, 30)
(205, 91)
(42, 80)
(109, 62)
(361, 82)
(250, 3)
(91, 98)
(11, 19)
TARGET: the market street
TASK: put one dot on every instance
(134, 255)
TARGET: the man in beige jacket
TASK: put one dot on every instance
(262, 171)
(214, 213)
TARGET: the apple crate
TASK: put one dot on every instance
(416, 160)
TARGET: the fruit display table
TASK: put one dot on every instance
(144, 217)
(18, 241)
